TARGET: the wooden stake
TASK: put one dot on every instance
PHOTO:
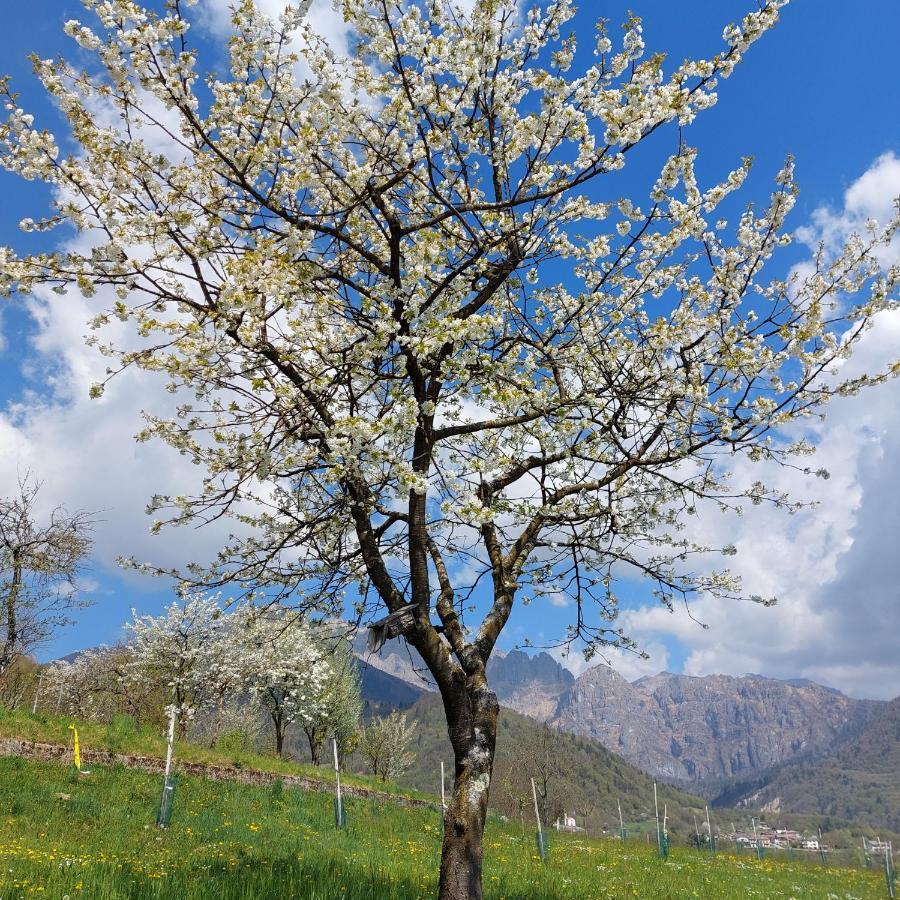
(339, 808)
(165, 803)
(656, 808)
(537, 813)
(443, 795)
(37, 691)
(170, 743)
(537, 816)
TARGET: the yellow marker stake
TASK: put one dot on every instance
(77, 748)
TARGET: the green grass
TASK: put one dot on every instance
(94, 836)
(122, 735)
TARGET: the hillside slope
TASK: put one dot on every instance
(590, 783)
(93, 837)
(861, 780)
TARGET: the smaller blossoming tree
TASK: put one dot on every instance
(284, 669)
(387, 745)
(190, 650)
(337, 702)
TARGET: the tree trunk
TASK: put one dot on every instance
(278, 722)
(461, 854)
(315, 748)
(10, 645)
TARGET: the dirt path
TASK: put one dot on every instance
(61, 754)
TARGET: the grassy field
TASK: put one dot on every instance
(93, 836)
(123, 735)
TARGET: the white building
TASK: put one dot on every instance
(566, 823)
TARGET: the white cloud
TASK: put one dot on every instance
(628, 664)
(832, 567)
(872, 196)
(83, 450)
(325, 20)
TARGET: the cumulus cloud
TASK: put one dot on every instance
(873, 196)
(630, 665)
(322, 16)
(833, 566)
(83, 450)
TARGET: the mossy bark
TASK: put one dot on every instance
(473, 733)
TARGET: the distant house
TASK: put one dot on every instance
(810, 844)
(790, 837)
(567, 823)
(878, 846)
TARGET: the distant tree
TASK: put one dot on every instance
(337, 705)
(284, 669)
(41, 558)
(19, 679)
(84, 687)
(414, 319)
(100, 682)
(540, 758)
(188, 651)
(386, 745)
(511, 790)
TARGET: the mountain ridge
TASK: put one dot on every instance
(704, 733)
(858, 780)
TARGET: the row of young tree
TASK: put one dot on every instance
(227, 672)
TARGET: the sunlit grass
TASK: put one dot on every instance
(94, 836)
(122, 735)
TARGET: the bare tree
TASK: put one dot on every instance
(540, 758)
(40, 562)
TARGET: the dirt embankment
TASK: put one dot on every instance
(59, 753)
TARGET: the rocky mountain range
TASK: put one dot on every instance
(859, 780)
(702, 733)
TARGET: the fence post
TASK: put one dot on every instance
(889, 873)
(541, 841)
(712, 840)
(168, 791)
(656, 810)
(340, 818)
(664, 834)
(759, 851)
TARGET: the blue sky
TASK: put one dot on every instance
(822, 86)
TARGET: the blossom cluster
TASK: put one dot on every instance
(407, 328)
